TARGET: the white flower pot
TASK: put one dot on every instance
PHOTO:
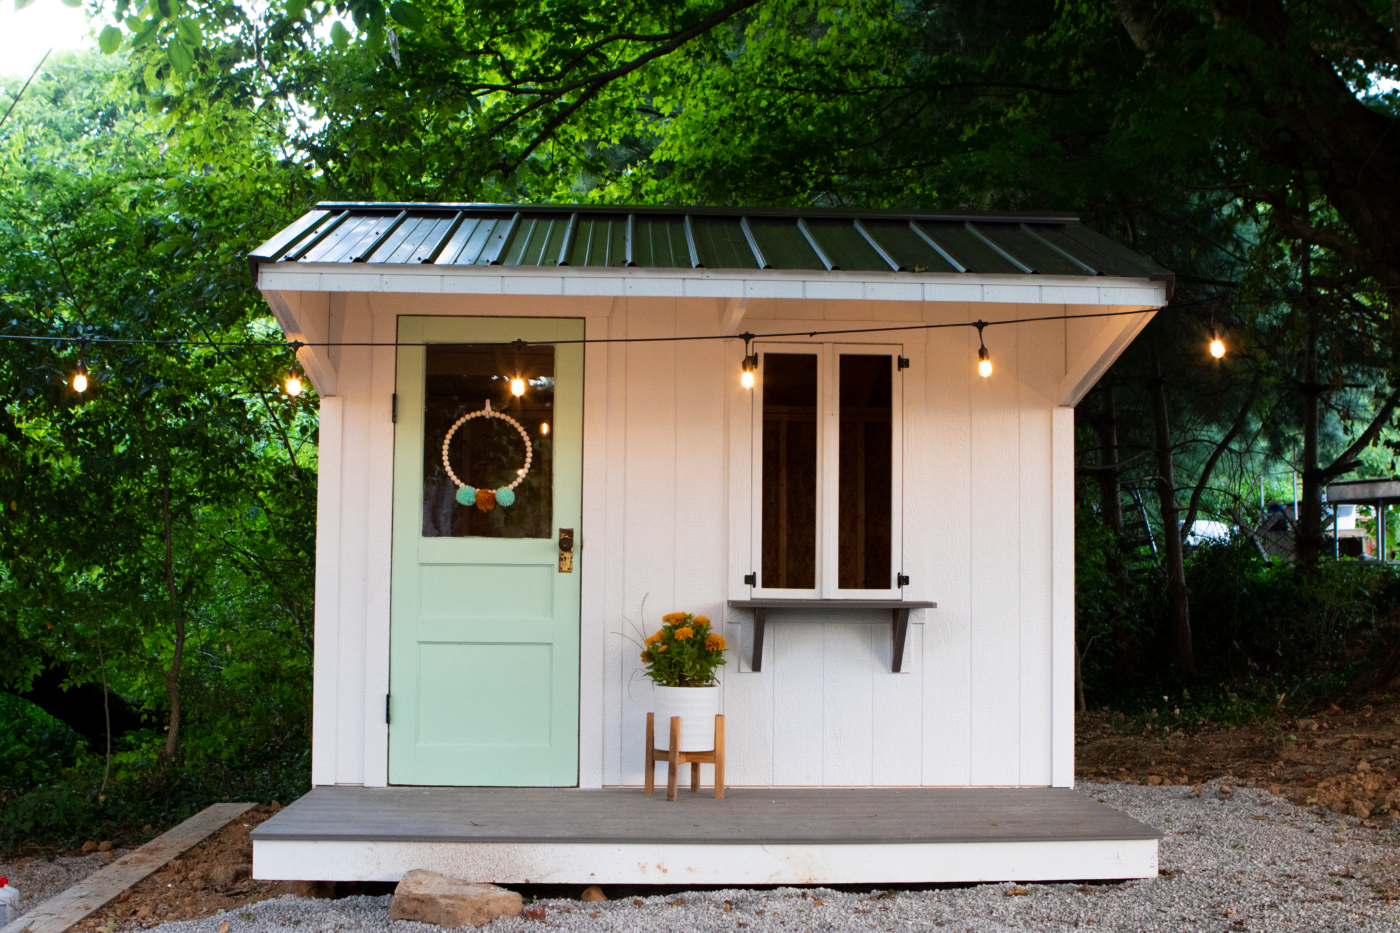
(697, 707)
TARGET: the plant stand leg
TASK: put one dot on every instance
(673, 755)
(695, 777)
(719, 756)
(651, 754)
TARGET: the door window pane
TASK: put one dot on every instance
(865, 470)
(789, 470)
(486, 453)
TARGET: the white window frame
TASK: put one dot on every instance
(828, 478)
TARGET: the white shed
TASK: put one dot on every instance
(884, 537)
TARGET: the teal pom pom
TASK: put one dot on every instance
(505, 496)
(466, 495)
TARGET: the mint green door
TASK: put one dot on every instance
(484, 627)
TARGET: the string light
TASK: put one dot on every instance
(517, 387)
(544, 427)
(294, 384)
(1217, 346)
(746, 377)
(984, 359)
(80, 379)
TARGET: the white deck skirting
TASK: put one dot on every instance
(653, 863)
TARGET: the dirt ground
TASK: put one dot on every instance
(1340, 758)
(211, 877)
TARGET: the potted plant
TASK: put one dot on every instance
(680, 660)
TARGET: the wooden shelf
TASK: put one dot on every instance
(899, 618)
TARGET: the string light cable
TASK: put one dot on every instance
(750, 364)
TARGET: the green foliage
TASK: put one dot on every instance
(157, 530)
(683, 652)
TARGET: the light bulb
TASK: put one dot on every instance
(746, 379)
(80, 380)
(1217, 347)
(984, 363)
(544, 427)
(517, 387)
(294, 385)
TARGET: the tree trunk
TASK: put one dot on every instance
(172, 676)
(1178, 607)
(1111, 507)
(1307, 534)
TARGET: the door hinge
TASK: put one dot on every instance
(386, 709)
(903, 579)
(903, 362)
(750, 579)
(394, 408)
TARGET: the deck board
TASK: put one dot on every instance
(747, 816)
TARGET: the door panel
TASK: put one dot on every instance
(484, 643)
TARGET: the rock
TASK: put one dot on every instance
(1307, 725)
(146, 828)
(1153, 780)
(1363, 766)
(104, 846)
(89, 846)
(1360, 808)
(592, 895)
(428, 897)
(144, 912)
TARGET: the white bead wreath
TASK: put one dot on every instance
(503, 496)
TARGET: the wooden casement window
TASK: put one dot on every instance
(827, 471)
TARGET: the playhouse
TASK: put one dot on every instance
(537, 436)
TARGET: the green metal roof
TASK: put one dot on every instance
(702, 238)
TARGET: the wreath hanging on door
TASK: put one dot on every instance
(488, 499)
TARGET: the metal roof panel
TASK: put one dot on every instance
(722, 244)
(783, 244)
(748, 238)
(845, 247)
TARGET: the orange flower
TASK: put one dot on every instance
(653, 639)
(683, 633)
(660, 647)
(486, 499)
(672, 617)
(702, 620)
(646, 656)
(714, 642)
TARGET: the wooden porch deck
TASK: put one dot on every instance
(753, 836)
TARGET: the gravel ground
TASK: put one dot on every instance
(37, 880)
(1248, 862)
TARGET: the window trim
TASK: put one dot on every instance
(828, 471)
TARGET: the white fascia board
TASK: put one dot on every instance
(679, 863)
(714, 283)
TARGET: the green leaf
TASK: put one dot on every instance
(296, 9)
(73, 3)
(189, 31)
(109, 39)
(407, 15)
(340, 36)
(180, 55)
(21, 4)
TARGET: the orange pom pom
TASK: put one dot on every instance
(486, 499)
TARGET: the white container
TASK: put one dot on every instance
(9, 903)
(697, 707)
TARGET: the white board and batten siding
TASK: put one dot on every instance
(986, 696)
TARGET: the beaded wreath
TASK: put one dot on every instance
(487, 499)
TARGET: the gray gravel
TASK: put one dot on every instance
(38, 880)
(1222, 869)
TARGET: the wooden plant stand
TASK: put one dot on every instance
(675, 758)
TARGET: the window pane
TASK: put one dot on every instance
(789, 470)
(487, 452)
(866, 467)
